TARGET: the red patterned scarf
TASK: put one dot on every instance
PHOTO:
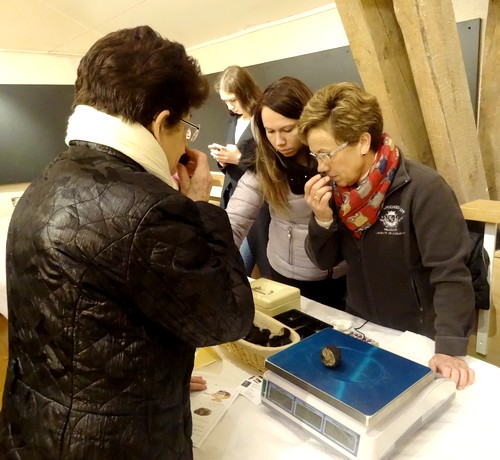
(359, 205)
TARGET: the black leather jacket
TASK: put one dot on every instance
(114, 278)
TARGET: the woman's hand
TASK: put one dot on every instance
(453, 368)
(198, 383)
(195, 180)
(224, 155)
(318, 193)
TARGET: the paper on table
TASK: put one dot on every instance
(413, 346)
(208, 407)
(251, 388)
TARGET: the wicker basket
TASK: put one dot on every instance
(255, 355)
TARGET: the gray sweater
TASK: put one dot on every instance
(287, 230)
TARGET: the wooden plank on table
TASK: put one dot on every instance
(487, 211)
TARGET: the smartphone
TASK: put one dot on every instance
(215, 146)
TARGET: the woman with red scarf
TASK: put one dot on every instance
(396, 222)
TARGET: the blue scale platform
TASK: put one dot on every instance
(368, 385)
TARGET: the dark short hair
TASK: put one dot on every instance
(135, 73)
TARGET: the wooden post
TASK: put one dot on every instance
(378, 49)
(432, 43)
(489, 108)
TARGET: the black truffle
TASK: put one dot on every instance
(280, 339)
(330, 356)
(263, 337)
(258, 336)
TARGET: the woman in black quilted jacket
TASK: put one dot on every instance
(116, 271)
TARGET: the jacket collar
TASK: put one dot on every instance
(132, 139)
(402, 176)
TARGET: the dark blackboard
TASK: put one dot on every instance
(33, 118)
(33, 121)
(316, 70)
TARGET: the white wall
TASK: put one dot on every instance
(37, 68)
(319, 30)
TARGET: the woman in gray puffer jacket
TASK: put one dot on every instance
(283, 167)
(114, 275)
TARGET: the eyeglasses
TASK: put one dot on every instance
(192, 130)
(329, 155)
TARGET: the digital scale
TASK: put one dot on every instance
(366, 407)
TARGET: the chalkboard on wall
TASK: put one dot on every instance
(33, 118)
(315, 70)
(33, 121)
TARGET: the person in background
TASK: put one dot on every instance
(240, 92)
(395, 222)
(282, 169)
(114, 276)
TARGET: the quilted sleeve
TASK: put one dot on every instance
(186, 273)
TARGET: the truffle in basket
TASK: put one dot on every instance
(258, 336)
(281, 339)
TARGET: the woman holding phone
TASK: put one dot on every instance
(240, 93)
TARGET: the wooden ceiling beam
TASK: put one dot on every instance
(431, 38)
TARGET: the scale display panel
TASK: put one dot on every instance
(312, 417)
(345, 434)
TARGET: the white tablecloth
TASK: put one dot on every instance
(8, 195)
(468, 429)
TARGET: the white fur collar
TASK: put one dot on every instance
(131, 139)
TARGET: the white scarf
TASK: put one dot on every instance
(131, 139)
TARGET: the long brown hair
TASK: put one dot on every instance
(238, 81)
(286, 96)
